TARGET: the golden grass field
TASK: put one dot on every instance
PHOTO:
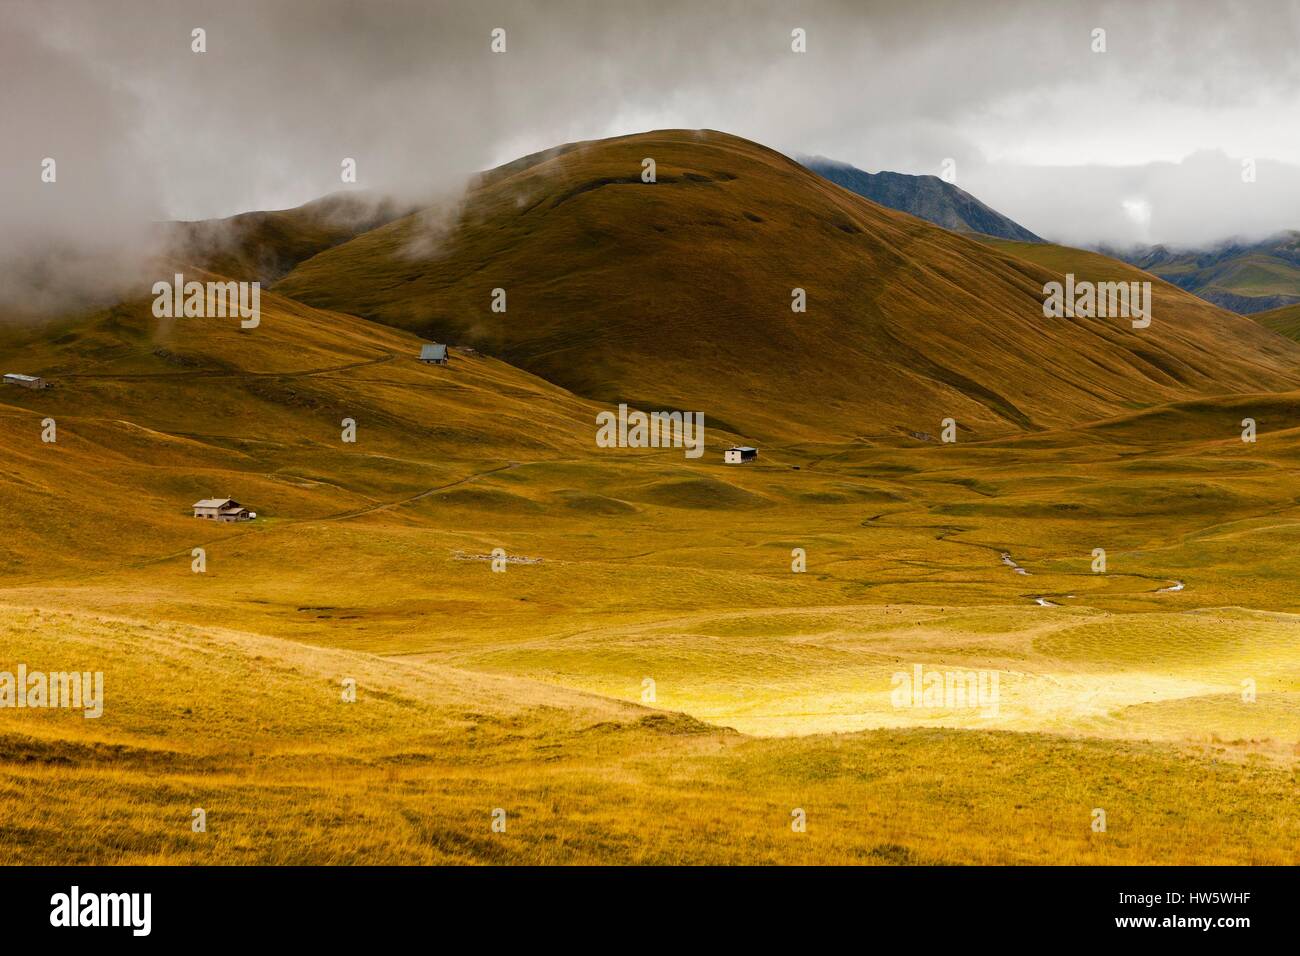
(523, 690)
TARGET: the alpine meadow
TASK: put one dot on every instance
(584, 476)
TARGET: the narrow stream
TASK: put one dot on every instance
(1006, 559)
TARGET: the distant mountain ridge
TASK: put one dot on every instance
(926, 197)
(1246, 277)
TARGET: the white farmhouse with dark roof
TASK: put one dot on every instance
(740, 454)
(222, 509)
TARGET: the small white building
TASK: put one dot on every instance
(433, 354)
(740, 455)
(222, 509)
(26, 381)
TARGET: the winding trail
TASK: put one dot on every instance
(221, 373)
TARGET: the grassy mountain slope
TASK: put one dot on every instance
(153, 414)
(1098, 267)
(678, 294)
(1283, 321)
(926, 197)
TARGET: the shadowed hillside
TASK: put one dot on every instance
(678, 294)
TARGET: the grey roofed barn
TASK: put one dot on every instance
(221, 509)
(26, 381)
(434, 353)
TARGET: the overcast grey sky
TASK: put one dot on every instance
(1141, 143)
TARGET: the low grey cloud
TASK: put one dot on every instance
(1072, 143)
(1197, 202)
